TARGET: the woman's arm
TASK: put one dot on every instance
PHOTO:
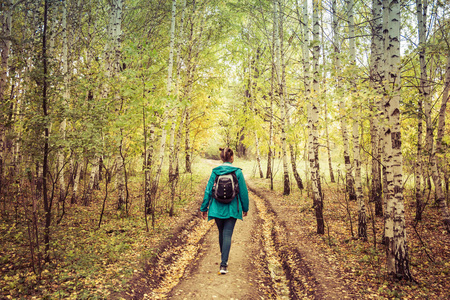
(243, 192)
(207, 196)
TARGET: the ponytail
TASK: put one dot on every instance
(226, 154)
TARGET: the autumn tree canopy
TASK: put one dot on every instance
(125, 96)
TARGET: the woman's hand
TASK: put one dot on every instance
(244, 213)
(204, 215)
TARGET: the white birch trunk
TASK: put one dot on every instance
(92, 179)
(187, 142)
(76, 183)
(442, 111)
(165, 117)
(5, 44)
(342, 111)
(387, 150)
(278, 23)
(149, 200)
(174, 144)
(253, 90)
(424, 94)
(114, 67)
(375, 83)
(307, 83)
(362, 222)
(270, 155)
(441, 158)
(314, 160)
(323, 94)
(395, 232)
(66, 98)
(383, 115)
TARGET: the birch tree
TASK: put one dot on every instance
(174, 137)
(278, 23)
(306, 65)
(270, 154)
(5, 45)
(342, 110)
(314, 122)
(362, 226)
(375, 84)
(45, 165)
(254, 75)
(66, 98)
(395, 227)
(113, 54)
(424, 92)
(440, 150)
(169, 91)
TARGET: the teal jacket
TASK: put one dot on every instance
(224, 211)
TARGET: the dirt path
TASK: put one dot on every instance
(271, 257)
(201, 279)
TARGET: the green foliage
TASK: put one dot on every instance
(222, 81)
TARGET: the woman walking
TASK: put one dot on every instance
(225, 214)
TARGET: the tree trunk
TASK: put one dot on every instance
(270, 155)
(150, 201)
(375, 83)
(362, 223)
(76, 182)
(120, 176)
(45, 167)
(278, 23)
(441, 158)
(165, 116)
(309, 149)
(115, 27)
(442, 111)
(330, 166)
(337, 63)
(350, 188)
(421, 13)
(187, 143)
(175, 141)
(253, 90)
(324, 94)
(5, 44)
(297, 177)
(91, 184)
(66, 98)
(314, 160)
(395, 232)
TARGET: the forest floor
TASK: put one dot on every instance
(266, 262)
(276, 254)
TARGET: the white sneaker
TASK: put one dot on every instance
(223, 270)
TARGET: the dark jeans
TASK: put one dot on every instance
(226, 227)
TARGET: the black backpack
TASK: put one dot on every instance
(225, 188)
